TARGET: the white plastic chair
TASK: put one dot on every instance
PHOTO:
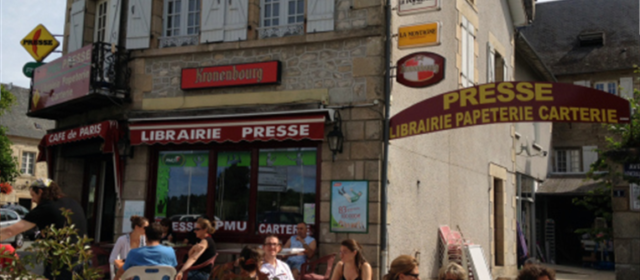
(149, 272)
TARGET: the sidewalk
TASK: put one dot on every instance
(574, 273)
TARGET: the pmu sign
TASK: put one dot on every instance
(508, 102)
(420, 69)
(39, 43)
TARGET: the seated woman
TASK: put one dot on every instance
(124, 244)
(167, 231)
(200, 253)
(353, 265)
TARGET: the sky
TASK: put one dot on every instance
(17, 19)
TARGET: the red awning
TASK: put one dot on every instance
(191, 131)
(107, 130)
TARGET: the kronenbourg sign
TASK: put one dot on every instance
(508, 102)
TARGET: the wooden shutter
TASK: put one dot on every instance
(465, 59)
(319, 15)
(236, 21)
(491, 64)
(138, 24)
(589, 156)
(584, 83)
(626, 85)
(212, 21)
(505, 70)
(471, 53)
(76, 27)
(112, 29)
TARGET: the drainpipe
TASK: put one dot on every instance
(384, 240)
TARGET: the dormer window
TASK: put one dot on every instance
(591, 39)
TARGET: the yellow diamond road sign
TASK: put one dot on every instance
(39, 43)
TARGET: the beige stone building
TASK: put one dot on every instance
(25, 134)
(227, 109)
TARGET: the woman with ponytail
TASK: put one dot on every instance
(353, 265)
(132, 240)
(403, 268)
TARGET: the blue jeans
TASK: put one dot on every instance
(198, 275)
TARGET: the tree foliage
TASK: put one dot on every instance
(59, 248)
(8, 163)
(622, 147)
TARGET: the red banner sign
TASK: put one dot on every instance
(510, 102)
(61, 80)
(207, 131)
(420, 69)
(231, 75)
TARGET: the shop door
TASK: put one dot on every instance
(99, 198)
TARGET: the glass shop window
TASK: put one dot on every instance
(233, 190)
(181, 190)
(286, 189)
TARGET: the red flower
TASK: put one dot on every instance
(5, 188)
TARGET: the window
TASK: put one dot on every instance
(27, 167)
(101, 21)
(610, 87)
(233, 186)
(567, 161)
(496, 66)
(467, 41)
(244, 190)
(286, 187)
(182, 185)
(181, 23)
(281, 18)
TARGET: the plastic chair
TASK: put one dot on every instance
(209, 262)
(149, 272)
(181, 253)
(308, 274)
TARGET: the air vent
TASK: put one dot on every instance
(591, 39)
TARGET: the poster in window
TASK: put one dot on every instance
(349, 206)
(182, 182)
(310, 213)
(634, 196)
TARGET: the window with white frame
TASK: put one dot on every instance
(181, 25)
(608, 86)
(496, 66)
(101, 21)
(467, 41)
(28, 167)
(281, 18)
(567, 161)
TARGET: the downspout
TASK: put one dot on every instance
(384, 240)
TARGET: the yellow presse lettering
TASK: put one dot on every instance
(525, 92)
(486, 91)
(449, 98)
(543, 92)
(505, 91)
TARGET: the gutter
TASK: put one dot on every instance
(384, 240)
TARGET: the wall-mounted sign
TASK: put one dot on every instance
(61, 80)
(509, 102)
(417, 6)
(350, 206)
(260, 73)
(426, 34)
(420, 69)
(30, 67)
(39, 43)
(632, 169)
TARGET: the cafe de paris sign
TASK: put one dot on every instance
(508, 102)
